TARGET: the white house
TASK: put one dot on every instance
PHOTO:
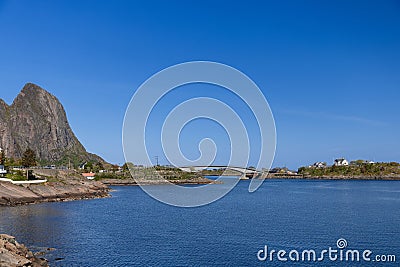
(2, 170)
(319, 165)
(82, 166)
(341, 162)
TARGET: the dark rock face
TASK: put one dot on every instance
(36, 119)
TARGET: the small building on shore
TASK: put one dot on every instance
(361, 162)
(89, 175)
(341, 162)
(319, 165)
(2, 169)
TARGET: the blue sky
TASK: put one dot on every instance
(330, 70)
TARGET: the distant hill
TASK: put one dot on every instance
(36, 119)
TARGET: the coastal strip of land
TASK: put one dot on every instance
(334, 177)
(60, 186)
(66, 185)
(130, 181)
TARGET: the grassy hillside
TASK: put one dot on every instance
(365, 169)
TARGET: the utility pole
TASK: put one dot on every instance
(156, 160)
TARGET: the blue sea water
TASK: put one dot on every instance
(132, 229)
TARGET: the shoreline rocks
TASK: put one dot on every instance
(11, 195)
(14, 254)
(63, 186)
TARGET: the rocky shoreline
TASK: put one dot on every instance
(62, 186)
(14, 254)
(69, 185)
(11, 195)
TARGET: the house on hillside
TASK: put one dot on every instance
(2, 170)
(89, 175)
(360, 162)
(319, 164)
(341, 162)
(82, 166)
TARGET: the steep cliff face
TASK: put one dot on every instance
(36, 119)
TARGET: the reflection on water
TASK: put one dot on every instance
(30, 221)
(132, 229)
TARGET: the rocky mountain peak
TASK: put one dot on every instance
(37, 119)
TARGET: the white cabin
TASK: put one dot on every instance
(341, 162)
(319, 165)
(2, 170)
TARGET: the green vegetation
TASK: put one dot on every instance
(213, 172)
(28, 158)
(2, 157)
(110, 175)
(178, 175)
(172, 173)
(20, 175)
(219, 172)
(129, 170)
(10, 162)
(127, 166)
(357, 168)
(16, 176)
(69, 159)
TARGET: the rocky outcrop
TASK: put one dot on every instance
(36, 119)
(62, 185)
(13, 254)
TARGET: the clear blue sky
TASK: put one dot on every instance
(329, 69)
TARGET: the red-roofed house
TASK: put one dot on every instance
(88, 175)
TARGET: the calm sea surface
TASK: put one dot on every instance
(132, 229)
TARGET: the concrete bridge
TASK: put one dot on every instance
(246, 172)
